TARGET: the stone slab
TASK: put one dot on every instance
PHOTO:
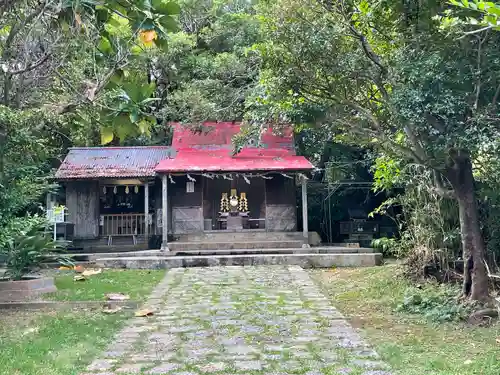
(302, 260)
(309, 250)
(227, 245)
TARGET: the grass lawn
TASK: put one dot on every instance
(413, 346)
(135, 283)
(64, 342)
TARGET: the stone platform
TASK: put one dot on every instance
(307, 260)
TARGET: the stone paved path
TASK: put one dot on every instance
(239, 320)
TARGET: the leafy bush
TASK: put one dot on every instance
(435, 304)
(388, 246)
(18, 226)
(25, 253)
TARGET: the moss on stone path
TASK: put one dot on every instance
(238, 320)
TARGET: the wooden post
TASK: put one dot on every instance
(146, 212)
(164, 212)
(305, 222)
(49, 201)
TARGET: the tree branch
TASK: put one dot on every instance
(31, 67)
(439, 187)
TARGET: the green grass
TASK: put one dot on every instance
(411, 345)
(54, 343)
(64, 342)
(135, 283)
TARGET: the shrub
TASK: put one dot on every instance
(18, 226)
(435, 304)
(387, 246)
(25, 253)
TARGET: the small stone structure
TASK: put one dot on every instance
(26, 290)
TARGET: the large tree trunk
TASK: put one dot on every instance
(460, 175)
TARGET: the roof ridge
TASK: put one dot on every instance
(116, 147)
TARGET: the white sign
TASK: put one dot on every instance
(56, 214)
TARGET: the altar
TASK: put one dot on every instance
(234, 211)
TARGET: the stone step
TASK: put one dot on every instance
(311, 250)
(248, 235)
(227, 245)
(103, 248)
(91, 257)
(302, 260)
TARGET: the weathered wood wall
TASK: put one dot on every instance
(82, 200)
(281, 206)
(186, 208)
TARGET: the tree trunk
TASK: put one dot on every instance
(460, 175)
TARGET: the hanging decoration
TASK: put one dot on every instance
(246, 180)
(208, 175)
(171, 179)
(243, 206)
(127, 190)
(287, 176)
(233, 200)
(224, 203)
(190, 178)
(104, 189)
(303, 176)
(227, 177)
(115, 190)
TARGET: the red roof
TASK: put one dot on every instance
(211, 151)
(222, 160)
(217, 134)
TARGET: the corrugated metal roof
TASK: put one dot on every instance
(221, 160)
(112, 162)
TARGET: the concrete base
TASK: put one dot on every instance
(292, 250)
(302, 260)
(249, 244)
(247, 235)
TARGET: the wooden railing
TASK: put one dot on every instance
(125, 225)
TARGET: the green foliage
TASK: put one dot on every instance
(25, 253)
(437, 304)
(21, 226)
(489, 14)
(209, 69)
(388, 246)
(386, 173)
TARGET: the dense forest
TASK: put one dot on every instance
(409, 89)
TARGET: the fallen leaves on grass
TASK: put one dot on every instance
(91, 272)
(79, 278)
(79, 269)
(117, 297)
(144, 312)
(111, 309)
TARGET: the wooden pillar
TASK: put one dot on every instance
(305, 222)
(164, 212)
(146, 212)
(49, 201)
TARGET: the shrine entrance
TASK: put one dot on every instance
(235, 204)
